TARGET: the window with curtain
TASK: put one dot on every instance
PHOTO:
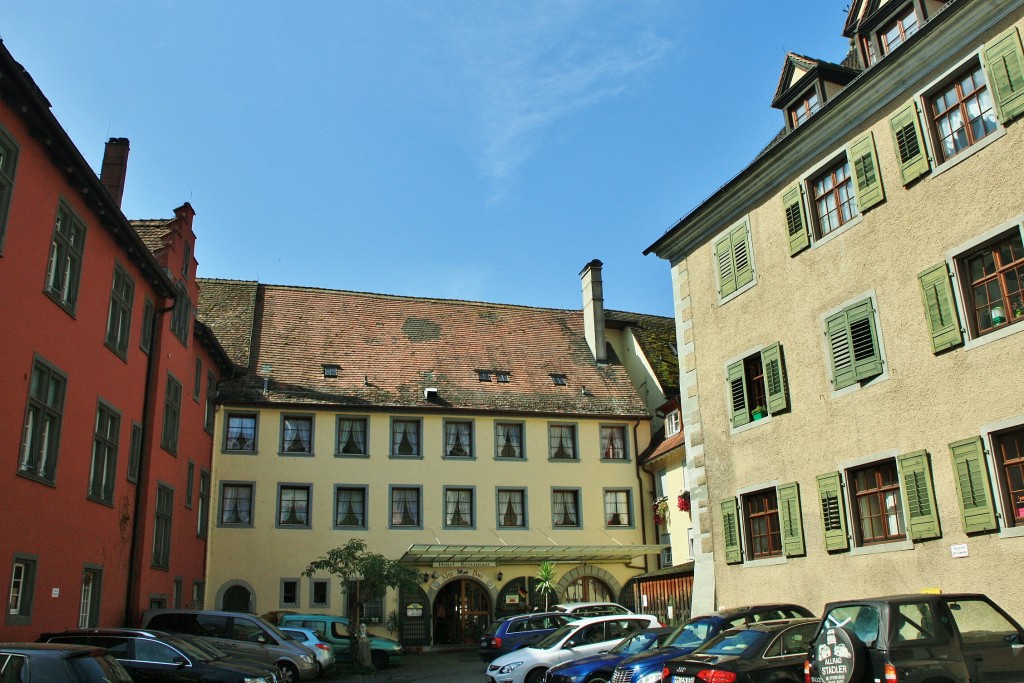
(293, 506)
(405, 438)
(351, 436)
(236, 504)
(458, 507)
(350, 507)
(297, 434)
(508, 440)
(512, 508)
(562, 442)
(240, 434)
(613, 443)
(405, 507)
(458, 439)
(616, 508)
(566, 508)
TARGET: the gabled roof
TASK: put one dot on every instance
(152, 231)
(798, 72)
(656, 336)
(391, 348)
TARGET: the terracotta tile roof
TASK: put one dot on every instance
(152, 231)
(390, 348)
(656, 450)
(657, 338)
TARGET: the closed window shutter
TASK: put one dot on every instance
(774, 378)
(867, 359)
(837, 330)
(731, 531)
(833, 511)
(939, 308)
(726, 271)
(742, 263)
(866, 174)
(792, 524)
(906, 135)
(738, 394)
(916, 478)
(1004, 63)
(796, 220)
(972, 485)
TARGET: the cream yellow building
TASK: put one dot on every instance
(849, 310)
(470, 440)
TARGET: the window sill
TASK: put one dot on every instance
(572, 460)
(406, 457)
(501, 458)
(766, 562)
(227, 452)
(893, 547)
(458, 457)
(293, 454)
(969, 152)
(750, 425)
(352, 455)
(732, 295)
(1001, 333)
(1012, 532)
(848, 225)
(617, 461)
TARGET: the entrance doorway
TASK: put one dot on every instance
(462, 610)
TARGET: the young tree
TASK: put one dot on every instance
(372, 575)
(546, 580)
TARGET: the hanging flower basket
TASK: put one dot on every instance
(683, 501)
(661, 511)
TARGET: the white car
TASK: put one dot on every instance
(591, 609)
(588, 636)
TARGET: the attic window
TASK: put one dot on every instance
(503, 377)
(807, 105)
(483, 375)
(331, 370)
(559, 380)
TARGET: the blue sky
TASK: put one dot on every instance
(467, 149)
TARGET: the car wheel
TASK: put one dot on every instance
(600, 677)
(535, 676)
(289, 674)
(379, 659)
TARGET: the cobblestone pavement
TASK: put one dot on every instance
(452, 667)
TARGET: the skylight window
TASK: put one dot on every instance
(559, 380)
(503, 377)
(483, 375)
(331, 370)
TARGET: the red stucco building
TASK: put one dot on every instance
(107, 384)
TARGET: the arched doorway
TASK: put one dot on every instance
(462, 609)
(588, 589)
(236, 599)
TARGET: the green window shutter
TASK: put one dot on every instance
(916, 475)
(867, 359)
(738, 394)
(837, 330)
(796, 220)
(866, 175)
(742, 264)
(833, 511)
(1004, 63)
(906, 134)
(790, 520)
(774, 378)
(940, 309)
(726, 269)
(731, 531)
(972, 485)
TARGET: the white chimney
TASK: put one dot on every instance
(593, 309)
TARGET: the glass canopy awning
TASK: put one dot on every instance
(525, 554)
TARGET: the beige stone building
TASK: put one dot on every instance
(470, 440)
(849, 313)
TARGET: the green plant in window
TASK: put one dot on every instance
(757, 412)
(1018, 307)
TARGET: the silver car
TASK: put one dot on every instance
(315, 641)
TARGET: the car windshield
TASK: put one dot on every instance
(212, 653)
(89, 667)
(861, 619)
(638, 642)
(731, 642)
(555, 637)
(692, 634)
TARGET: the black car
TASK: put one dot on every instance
(52, 663)
(769, 651)
(155, 656)
(918, 637)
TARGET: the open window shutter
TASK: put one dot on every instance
(796, 220)
(790, 520)
(741, 256)
(972, 485)
(867, 359)
(833, 511)
(726, 269)
(866, 173)
(1004, 63)
(916, 474)
(939, 308)
(906, 134)
(738, 394)
(837, 332)
(774, 378)
(731, 531)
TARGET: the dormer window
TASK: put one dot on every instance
(483, 375)
(804, 108)
(673, 423)
(898, 30)
(502, 377)
(331, 370)
(559, 380)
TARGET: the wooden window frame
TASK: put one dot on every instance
(417, 523)
(163, 520)
(67, 249)
(576, 499)
(624, 456)
(501, 515)
(954, 82)
(898, 23)
(840, 178)
(284, 447)
(885, 482)
(617, 506)
(339, 449)
(554, 447)
(102, 472)
(40, 411)
(762, 542)
(810, 102)
(171, 428)
(449, 510)
(119, 313)
(1010, 473)
(1011, 302)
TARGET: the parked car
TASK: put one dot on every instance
(511, 633)
(918, 637)
(383, 651)
(576, 639)
(647, 667)
(58, 663)
(236, 632)
(766, 652)
(215, 653)
(315, 641)
(591, 609)
(158, 656)
(599, 668)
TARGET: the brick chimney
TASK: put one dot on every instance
(593, 309)
(115, 167)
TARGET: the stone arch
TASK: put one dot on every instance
(232, 590)
(588, 570)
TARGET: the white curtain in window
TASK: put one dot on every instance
(616, 508)
(456, 439)
(352, 437)
(294, 507)
(565, 508)
(458, 505)
(509, 440)
(350, 508)
(237, 505)
(297, 433)
(405, 437)
(510, 508)
(612, 443)
(562, 441)
(404, 507)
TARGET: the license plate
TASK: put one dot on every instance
(682, 679)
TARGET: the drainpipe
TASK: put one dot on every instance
(640, 483)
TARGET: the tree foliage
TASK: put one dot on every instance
(546, 580)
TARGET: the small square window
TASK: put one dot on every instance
(613, 442)
(240, 434)
(618, 508)
(458, 439)
(350, 507)
(405, 438)
(352, 436)
(458, 508)
(236, 504)
(297, 435)
(331, 371)
(559, 380)
(673, 423)
(511, 508)
(405, 507)
(804, 108)
(961, 112)
(508, 440)
(562, 442)
(565, 508)
(483, 375)
(896, 32)
(293, 506)
(503, 377)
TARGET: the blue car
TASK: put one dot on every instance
(520, 630)
(647, 666)
(599, 668)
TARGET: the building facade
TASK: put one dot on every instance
(471, 441)
(849, 310)
(89, 533)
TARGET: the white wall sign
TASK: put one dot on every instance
(960, 550)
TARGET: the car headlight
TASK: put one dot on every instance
(396, 647)
(509, 668)
(653, 677)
